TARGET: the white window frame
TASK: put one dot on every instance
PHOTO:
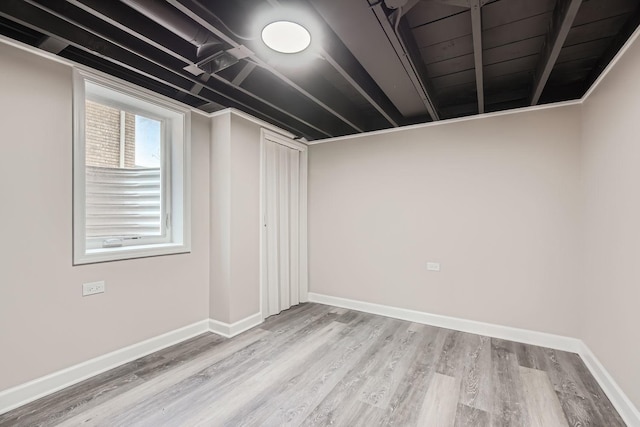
(175, 170)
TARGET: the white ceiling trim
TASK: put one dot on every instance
(451, 121)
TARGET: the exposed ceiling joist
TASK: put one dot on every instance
(244, 73)
(104, 12)
(37, 16)
(476, 29)
(563, 16)
(361, 89)
(200, 14)
(120, 16)
(401, 51)
(339, 57)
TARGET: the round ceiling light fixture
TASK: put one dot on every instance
(286, 37)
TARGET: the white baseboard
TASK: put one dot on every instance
(619, 399)
(230, 330)
(542, 339)
(40, 387)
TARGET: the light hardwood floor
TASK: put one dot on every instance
(316, 365)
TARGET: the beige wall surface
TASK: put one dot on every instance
(220, 219)
(235, 218)
(611, 171)
(45, 323)
(494, 200)
(245, 218)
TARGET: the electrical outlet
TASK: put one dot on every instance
(433, 266)
(93, 288)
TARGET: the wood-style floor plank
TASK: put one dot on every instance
(404, 408)
(317, 365)
(440, 403)
(543, 406)
(508, 394)
(466, 416)
(475, 384)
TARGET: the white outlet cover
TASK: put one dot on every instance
(93, 288)
(433, 266)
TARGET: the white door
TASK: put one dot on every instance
(284, 272)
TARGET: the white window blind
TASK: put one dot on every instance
(123, 202)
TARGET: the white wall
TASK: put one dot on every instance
(45, 323)
(611, 268)
(494, 200)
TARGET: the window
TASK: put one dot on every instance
(131, 167)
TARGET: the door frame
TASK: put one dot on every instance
(268, 135)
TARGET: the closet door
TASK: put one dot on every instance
(282, 237)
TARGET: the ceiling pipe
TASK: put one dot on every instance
(180, 25)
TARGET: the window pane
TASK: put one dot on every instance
(123, 175)
(148, 138)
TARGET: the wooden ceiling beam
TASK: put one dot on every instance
(563, 16)
(400, 49)
(476, 30)
(151, 66)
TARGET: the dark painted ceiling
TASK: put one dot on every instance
(372, 65)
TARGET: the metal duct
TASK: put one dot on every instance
(165, 15)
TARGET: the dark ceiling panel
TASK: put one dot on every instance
(517, 49)
(448, 66)
(511, 11)
(595, 10)
(517, 65)
(603, 28)
(426, 12)
(571, 72)
(448, 49)
(455, 26)
(561, 93)
(454, 79)
(590, 49)
(534, 26)
(508, 82)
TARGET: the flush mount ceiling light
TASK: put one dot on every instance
(286, 37)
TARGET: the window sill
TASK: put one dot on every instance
(130, 252)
